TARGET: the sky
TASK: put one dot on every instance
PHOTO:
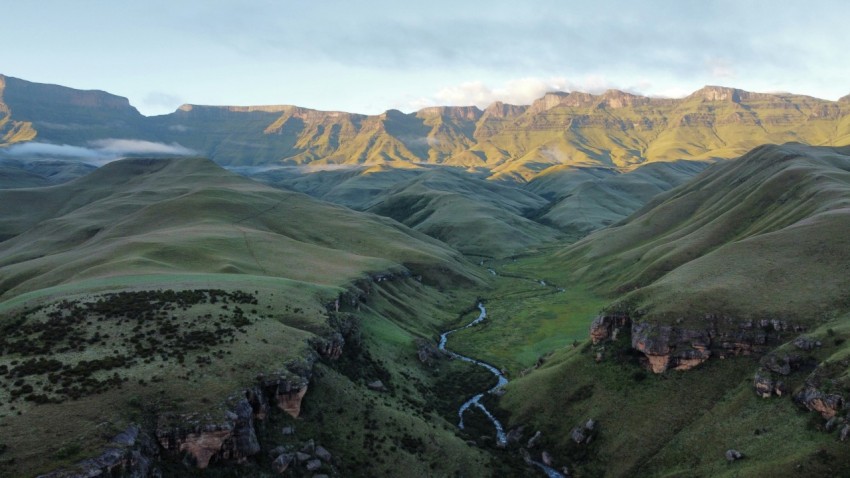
(371, 56)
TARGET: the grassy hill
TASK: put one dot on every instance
(587, 199)
(735, 227)
(27, 174)
(720, 276)
(160, 291)
(489, 218)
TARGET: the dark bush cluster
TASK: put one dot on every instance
(144, 326)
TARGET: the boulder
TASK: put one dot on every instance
(302, 457)
(515, 435)
(831, 424)
(282, 462)
(277, 451)
(733, 455)
(377, 386)
(782, 365)
(546, 458)
(288, 431)
(584, 432)
(806, 343)
(323, 454)
(827, 404)
(845, 432)
(763, 384)
(313, 465)
(532, 442)
(578, 435)
(309, 446)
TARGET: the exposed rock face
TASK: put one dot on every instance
(131, 453)
(783, 364)
(428, 352)
(290, 400)
(670, 347)
(233, 438)
(806, 343)
(827, 404)
(603, 326)
(281, 463)
(681, 348)
(763, 385)
(330, 347)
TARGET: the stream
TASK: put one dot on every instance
(501, 437)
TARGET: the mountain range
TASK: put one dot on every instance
(270, 290)
(615, 130)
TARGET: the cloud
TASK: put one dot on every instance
(101, 151)
(136, 146)
(521, 91)
(159, 99)
(47, 149)
(720, 68)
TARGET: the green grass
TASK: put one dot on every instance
(675, 424)
(278, 329)
(526, 321)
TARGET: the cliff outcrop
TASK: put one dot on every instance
(682, 347)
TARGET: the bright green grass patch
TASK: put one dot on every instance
(527, 318)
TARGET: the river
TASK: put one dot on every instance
(501, 437)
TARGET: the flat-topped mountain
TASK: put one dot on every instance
(615, 129)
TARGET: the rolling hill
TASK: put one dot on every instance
(730, 288)
(149, 298)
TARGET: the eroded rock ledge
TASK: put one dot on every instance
(682, 348)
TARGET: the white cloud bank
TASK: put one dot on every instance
(100, 151)
(521, 91)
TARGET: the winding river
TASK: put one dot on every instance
(501, 437)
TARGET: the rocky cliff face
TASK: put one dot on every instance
(131, 453)
(682, 348)
(458, 136)
(230, 434)
(231, 437)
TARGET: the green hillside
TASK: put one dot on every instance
(157, 292)
(738, 278)
(587, 199)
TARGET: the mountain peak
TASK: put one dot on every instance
(469, 113)
(616, 99)
(16, 90)
(503, 110)
(720, 93)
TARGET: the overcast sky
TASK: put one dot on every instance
(370, 56)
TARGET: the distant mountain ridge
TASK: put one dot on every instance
(614, 129)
